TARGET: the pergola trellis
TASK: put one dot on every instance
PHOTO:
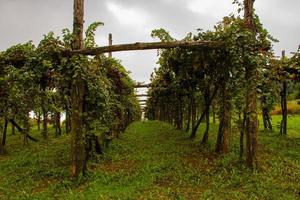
(77, 90)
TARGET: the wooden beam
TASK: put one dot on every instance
(139, 85)
(141, 95)
(147, 46)
(142, 100)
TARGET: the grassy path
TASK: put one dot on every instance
(147, 163)
(151, 160)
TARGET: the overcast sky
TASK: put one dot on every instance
(132, 21)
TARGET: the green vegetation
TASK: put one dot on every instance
(151, 160)
(226, 86)
(293, 108)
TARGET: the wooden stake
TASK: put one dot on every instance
(110, 42)
(283, 127)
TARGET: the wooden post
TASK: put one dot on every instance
(77, 97)
(283, 127)
(206, 100)
(3, 139)
(251, 129)
(110, 42)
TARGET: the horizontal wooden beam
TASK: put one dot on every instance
(147, 46)
(142, 100)
(142, 86)
(141, 95)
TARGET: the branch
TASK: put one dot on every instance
(145, 46)
(21, 130)
(194, 131)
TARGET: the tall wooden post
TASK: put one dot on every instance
(283, 127)
(110, 42)
(251, 96)
(77, 97)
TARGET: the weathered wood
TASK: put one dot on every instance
(140, 85)
(242, 134)
(147, 46)
(141, 95)
(21, 130)
(283, 94)
(251, 128)
(194, 131)
(142, 100)
(77, 98)
(224, 132)
(3, 139)
(206, 100)
(110, 41)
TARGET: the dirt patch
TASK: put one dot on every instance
(128, 166)
(164, 181)
(173, 192)
(264, 156)
(201, 160)
(43, 185)
(4, 157)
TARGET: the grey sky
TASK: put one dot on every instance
(133, 20)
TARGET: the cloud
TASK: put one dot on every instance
(132, 21)
(217, 9)
(127, 16)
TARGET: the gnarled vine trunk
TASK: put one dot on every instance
(207, 105)
(283, 126)
(194, 131)
(266, 119)
(223, 139)
(3, 138)
(57, 123)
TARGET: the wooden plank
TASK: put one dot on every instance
(142, 85)
(141, 95)
(146, 46)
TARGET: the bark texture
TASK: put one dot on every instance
(77, 94)
(251, 128)
(145, 46)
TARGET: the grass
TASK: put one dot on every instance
(151, 160)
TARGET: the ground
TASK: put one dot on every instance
(152, 160)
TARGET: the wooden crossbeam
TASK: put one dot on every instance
(142, 85)
(142, 100)
(141, 95)
(146, 46)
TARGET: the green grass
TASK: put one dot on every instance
(151, 160)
